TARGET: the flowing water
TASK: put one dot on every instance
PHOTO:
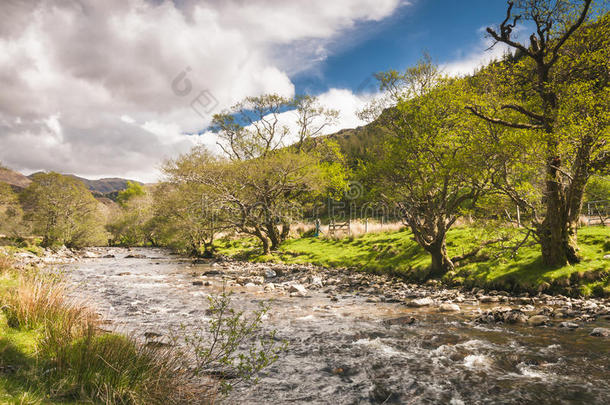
(351, 351)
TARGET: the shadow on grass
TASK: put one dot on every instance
(14, 368)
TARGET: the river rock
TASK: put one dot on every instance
(600, 332)
(568, 325)
(421, 302)
(538, 320)
(403, 320)
(135, 256)
(316, 281)
(607, 257)
(198, 283)
(449, 307)
(488, 298)
(297, 289)
(270, 273)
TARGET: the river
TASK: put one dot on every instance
(346, 347)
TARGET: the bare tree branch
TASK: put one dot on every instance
(519, 125)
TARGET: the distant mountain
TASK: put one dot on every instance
(102, 186)
(13, 178)
(105, 186)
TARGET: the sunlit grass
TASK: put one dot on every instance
(398, 254)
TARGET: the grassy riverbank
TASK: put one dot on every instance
(496, 266)
(52, 350)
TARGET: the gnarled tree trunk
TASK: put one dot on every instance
(441, 263)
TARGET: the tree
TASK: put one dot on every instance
(555, 92)
(431, 163)
(62, 211)
(131, 222)
(133, 189)
(255, 197)
(186, 216)
(10, 212)
(270, 168)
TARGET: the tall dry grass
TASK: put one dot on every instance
(357, 228)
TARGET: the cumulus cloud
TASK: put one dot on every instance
(482, 53)
(111, 88)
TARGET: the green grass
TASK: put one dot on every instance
(397, 254)
(52, 352)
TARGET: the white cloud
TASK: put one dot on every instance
(481, 54)
(69, 69)
(127, 119)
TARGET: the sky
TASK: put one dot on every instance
(112, 88)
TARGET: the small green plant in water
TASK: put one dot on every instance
(232, 348)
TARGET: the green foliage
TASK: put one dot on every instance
(432, 163)
(551, 99)
(598, 189)
(133, 190)
(62, 211)
(262, 185)
(231, 347)
(186, 217)
(131, 224)
(11, 213)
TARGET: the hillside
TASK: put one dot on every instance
(106, 185)
(13, 178)
(101, 186)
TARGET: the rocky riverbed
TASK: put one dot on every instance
(362, 338)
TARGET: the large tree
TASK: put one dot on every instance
(187, 216)
(62, 211)
(431, 165)
(271, 164)
(555, 90)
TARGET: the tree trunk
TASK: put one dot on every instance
(441, 263)
(285, 231)
(266, 245)
(558, 242)
(557, 232)
(274, 236)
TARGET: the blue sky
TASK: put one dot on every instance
(448, 30)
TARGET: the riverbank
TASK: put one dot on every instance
(477, 305)
(53, 351)
(494, 267)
